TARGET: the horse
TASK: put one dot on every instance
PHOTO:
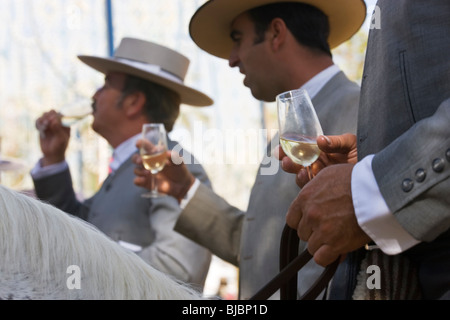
(48, 254)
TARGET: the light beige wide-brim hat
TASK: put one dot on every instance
(151, 62)
(210, 25)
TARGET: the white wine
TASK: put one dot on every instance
(154, 154)
(154, 162)
(67, 121)
(303, 151)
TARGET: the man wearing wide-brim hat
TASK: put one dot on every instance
(144, 83)
(277, 46)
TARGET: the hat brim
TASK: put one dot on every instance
(210, 25)
(187, 94)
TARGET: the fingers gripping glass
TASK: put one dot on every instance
(299, 127)
(71, 114)
(153, 153)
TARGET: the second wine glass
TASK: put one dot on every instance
(299, 127)
(153, 153)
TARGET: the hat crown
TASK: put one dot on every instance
(153, 54)
(151, 62)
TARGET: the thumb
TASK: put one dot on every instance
(337, 144)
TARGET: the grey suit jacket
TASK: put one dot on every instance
(120, 212)
(251, 240)
(404, 119)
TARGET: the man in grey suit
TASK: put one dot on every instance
(394, 204)
(143, 84)
(278, 47)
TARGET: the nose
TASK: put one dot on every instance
(94, 99)
(95, 95)
(233, 59)
(97, 92)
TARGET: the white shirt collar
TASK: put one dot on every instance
(123, 152)
(316, 83)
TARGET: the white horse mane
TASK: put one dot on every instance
(41, 248)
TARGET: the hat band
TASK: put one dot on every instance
(151, 68)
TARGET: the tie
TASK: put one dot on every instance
(110, 169)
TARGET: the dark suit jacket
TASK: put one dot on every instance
(404, 119)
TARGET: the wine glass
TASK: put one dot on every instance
(299, 127)
(71, 114)
(153, 153)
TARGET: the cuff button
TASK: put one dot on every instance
(407, 185)
(438, 165)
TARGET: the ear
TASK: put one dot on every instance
(276, 33)
(134, 104)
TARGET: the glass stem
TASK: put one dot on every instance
(154, 186)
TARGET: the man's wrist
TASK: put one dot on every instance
(40, 171)
(48, 161)
(373, 214)
(185, 188)
(190, 194)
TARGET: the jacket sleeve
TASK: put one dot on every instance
(172, 252)
(210, 221)
(57, 190)
(413, 176)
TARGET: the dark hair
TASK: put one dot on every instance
(162, 105)
(309, 25)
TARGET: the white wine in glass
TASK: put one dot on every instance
(72, 113)
(153, 153)
(299, 127)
